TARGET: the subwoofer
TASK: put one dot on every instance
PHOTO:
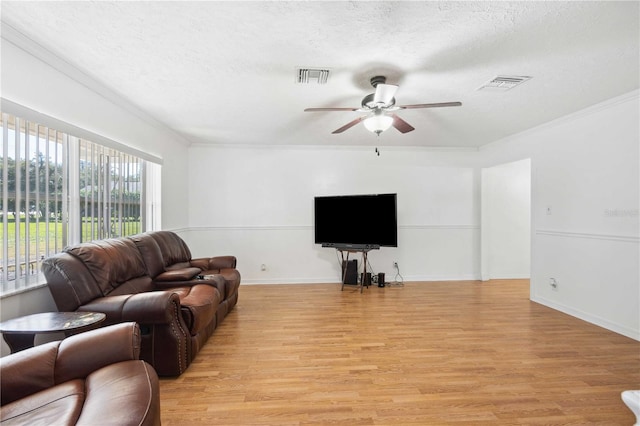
(350, 271)
(381, 279)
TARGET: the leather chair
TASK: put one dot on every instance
(87, 379)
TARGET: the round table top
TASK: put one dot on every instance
(51, 322)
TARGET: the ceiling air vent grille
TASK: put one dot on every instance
(502, 83)
(312, 75)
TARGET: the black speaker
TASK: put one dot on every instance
(381, 279)
(350, 271)
(366, 279)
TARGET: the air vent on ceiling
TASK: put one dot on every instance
(312, 75)
(502, 83)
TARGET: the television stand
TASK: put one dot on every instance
(345, 261)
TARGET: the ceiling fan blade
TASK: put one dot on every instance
(442, 104)
(401, 125)
(384, 93)
(349, 125)
(329, 109)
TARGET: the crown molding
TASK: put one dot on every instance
(402, 148)
(632, 96)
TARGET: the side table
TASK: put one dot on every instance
(20, 333)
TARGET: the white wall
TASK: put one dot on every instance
(586, 174)
(584, 171)
(40, 86)
(32, 83)
(257, 203)
(506, 221)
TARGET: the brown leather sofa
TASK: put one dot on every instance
(150, 279)
(92, 378)
(169, 263)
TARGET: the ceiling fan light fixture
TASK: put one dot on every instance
(378, 123)
(378, 105)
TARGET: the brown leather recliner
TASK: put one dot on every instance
(169, 263)
(112, 276)
(88, 379)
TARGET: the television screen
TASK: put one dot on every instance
(356, 221)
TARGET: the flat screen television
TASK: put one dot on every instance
(356, 221)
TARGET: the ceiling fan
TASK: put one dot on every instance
(380, 107)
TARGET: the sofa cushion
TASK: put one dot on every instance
(231, 280)
(57, 405)
(174, 249)
(150, 251)
(137, 285)
(198, 305)
(214, 280)
(111, 262)
(70, 281)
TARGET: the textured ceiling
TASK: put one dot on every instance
(224, 72)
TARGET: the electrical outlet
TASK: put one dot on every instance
(395, 265)
(263, 267)
(553, 283)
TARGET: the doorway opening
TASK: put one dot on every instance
(506, 221)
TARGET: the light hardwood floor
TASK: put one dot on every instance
(428, 353)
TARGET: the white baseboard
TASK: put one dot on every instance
(389, 277)
(332, 280)
(462, 277)
(616, 328)
(525, 276)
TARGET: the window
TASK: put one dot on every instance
(110, 192)
(60, 189)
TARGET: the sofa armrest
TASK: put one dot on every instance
(84, 353)
(215, 262)
(41, 367)
(27, 372)
(182, 274)
(214, 280)
(153, 307)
